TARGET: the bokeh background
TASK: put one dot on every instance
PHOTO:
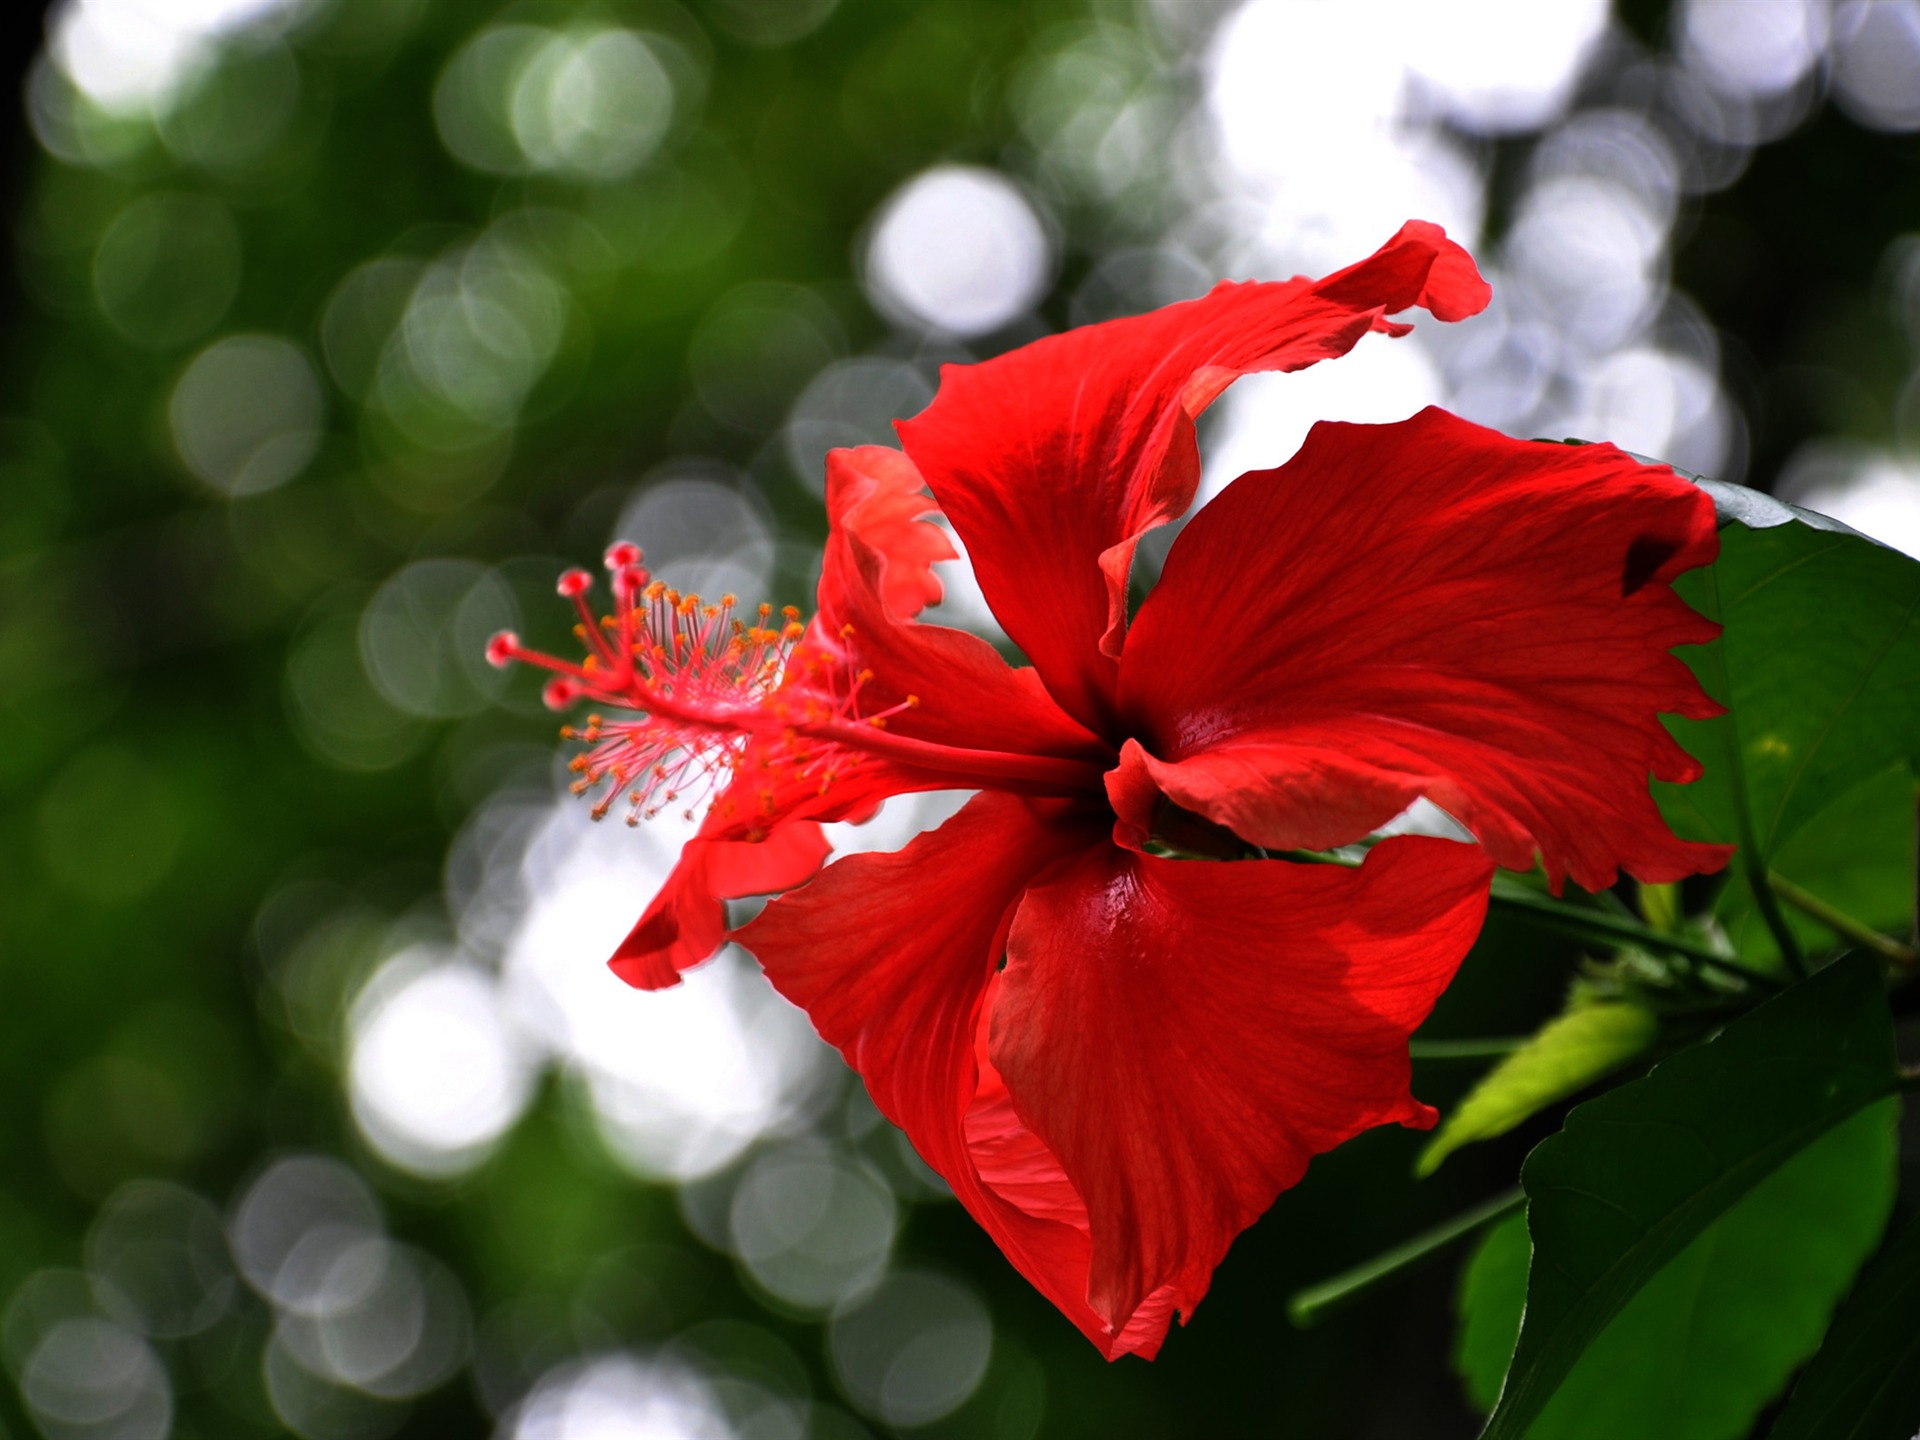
(336, 328)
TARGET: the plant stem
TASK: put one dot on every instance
(1589, 923)
(1307, 1306)
(1841, 923)
(1492, 1048)
(1759, 880)
(1606, 920)
(1747, 854)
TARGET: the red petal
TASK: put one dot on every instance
(890, 955)
(687, 920)
(877, 506)
(1052, 460)
(1186, 1035)
(876, 575)
(1428, 608)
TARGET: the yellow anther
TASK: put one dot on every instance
(846, 632)
(729, 600)
(791, 612)
(913, 702)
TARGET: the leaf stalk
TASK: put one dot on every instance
(1843, 924)
(1307, 1306)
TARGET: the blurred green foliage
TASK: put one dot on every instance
(216, 820)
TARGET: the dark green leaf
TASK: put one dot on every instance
(1857, 855)
(1636, 1175)
(1567, 1055)
(1715, 1335)
(1493, 1293)
(1810, 771)
(1865, 1382)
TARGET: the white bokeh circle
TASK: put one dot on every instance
(958, 249)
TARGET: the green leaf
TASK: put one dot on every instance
(1717, 1331)
(1637, 1174)
(1565, 1057)
(1492, 1297)
(1714, 1336)
(1857, 855)
(1810, 771)
(1865, 1382)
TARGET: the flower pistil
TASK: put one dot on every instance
(757, 714)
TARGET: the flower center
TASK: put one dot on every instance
(1182, 832)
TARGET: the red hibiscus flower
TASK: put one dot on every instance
(1115, 1057)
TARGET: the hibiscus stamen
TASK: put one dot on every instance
(703, 686)
(710, 694)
